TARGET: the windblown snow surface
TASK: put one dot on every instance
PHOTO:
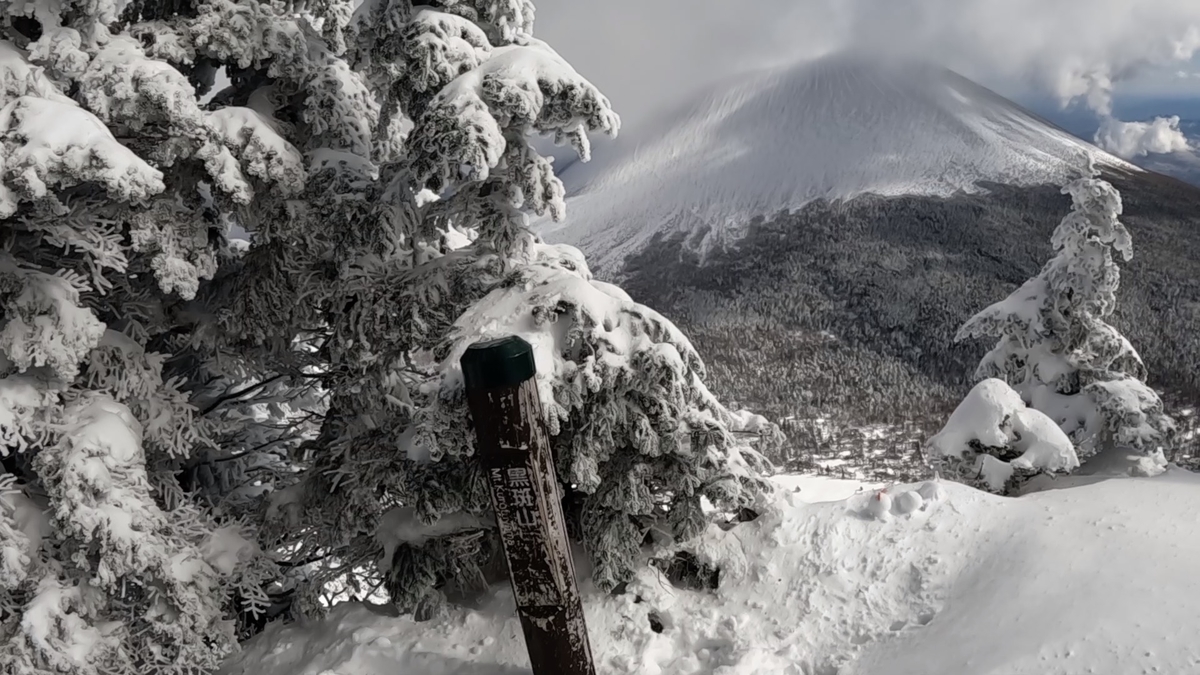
(1097, 576)
(842, 126)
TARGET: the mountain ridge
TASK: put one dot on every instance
(835, 128)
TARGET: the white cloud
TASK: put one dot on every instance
(645, 53)
(1139, 139)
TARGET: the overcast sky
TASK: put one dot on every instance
(647, 53)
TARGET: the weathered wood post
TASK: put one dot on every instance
(515, 452)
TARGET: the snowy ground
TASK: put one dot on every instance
(1098, 576)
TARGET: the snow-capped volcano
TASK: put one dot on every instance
(838, 127)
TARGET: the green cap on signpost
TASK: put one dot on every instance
(502, 362)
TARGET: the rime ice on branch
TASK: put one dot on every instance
(117, 190)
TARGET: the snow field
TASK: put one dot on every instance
(1097, 577)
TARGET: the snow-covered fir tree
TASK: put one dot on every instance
(1058, 352)
(113, 179)
(377, 263)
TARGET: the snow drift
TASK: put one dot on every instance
(934, 578)
(835, 128)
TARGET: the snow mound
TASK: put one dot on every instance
(994, 416)
(1094, 578)
(984, 416)
(839, 127)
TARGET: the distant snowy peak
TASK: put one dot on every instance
(835, 128)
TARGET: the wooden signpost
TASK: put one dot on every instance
(515, 452)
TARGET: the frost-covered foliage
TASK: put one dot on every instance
(115, 185)
(1055, 347)
(637, 438)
